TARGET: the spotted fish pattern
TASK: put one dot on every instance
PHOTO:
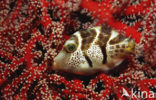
(93, 50)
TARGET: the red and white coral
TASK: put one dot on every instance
(32, 32)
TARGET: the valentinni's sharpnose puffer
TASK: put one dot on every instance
(92, 50)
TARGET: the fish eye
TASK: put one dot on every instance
(70, 47)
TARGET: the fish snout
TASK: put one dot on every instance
(55, 66)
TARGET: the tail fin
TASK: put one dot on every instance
(131, 46)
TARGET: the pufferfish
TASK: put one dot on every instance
(89, 51)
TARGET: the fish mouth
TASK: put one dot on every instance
(55, 66)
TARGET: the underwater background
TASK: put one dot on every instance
(32, 32)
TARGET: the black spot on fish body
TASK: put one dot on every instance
(89, 61)
(117, 39)
(103, 48)
(88, 33)
(105, 29)
(87, 38)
